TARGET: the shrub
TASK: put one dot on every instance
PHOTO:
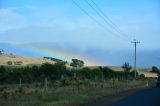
(142, 76)
(155, 69)
(5, 95)
(9, 63)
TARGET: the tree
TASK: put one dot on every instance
(9, 62)
(155, 69)
(2, 69)
(3, 73)
(1, 52)
(53, 71)
(77, 63)
(126, 67)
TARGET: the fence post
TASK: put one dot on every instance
(20, 83)
(45, 84)
(147, 84)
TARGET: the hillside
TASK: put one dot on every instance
(16, 60)
(7, 59)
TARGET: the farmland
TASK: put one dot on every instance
(57, 85)
(50, 83)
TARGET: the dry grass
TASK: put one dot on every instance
(26, 60)
(58, 95)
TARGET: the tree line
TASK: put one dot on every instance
(57, 71)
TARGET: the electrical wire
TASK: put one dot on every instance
(83, 10)
(98, 10)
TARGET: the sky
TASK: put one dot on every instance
(60, 25)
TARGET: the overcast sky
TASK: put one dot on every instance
(61, 22)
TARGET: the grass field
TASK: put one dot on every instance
(57, 95)
(24, 59)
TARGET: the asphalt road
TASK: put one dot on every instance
(147, 97)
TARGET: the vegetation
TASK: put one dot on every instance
(77, 63)
(126, 67)
(56, 60)
(9, 63)
(155, 70)
(1, 52)
(65, 86)
(56, 71)
(75, 93)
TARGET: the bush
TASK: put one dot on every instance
(65, 81)
(155, 69)
(142, 76)
(9, 63)
(53, 72)
(5, 95)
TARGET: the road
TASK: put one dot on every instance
(147, 97)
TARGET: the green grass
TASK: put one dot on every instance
(67, 95)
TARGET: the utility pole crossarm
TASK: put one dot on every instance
(135, 42)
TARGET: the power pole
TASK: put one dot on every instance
(135, 42)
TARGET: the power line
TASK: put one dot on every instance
(83, 10)
(95, 10)
(99, 14)
(106, 18)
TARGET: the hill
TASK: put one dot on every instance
(16, 60)
(10, 59)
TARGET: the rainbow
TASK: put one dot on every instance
(61, 54)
